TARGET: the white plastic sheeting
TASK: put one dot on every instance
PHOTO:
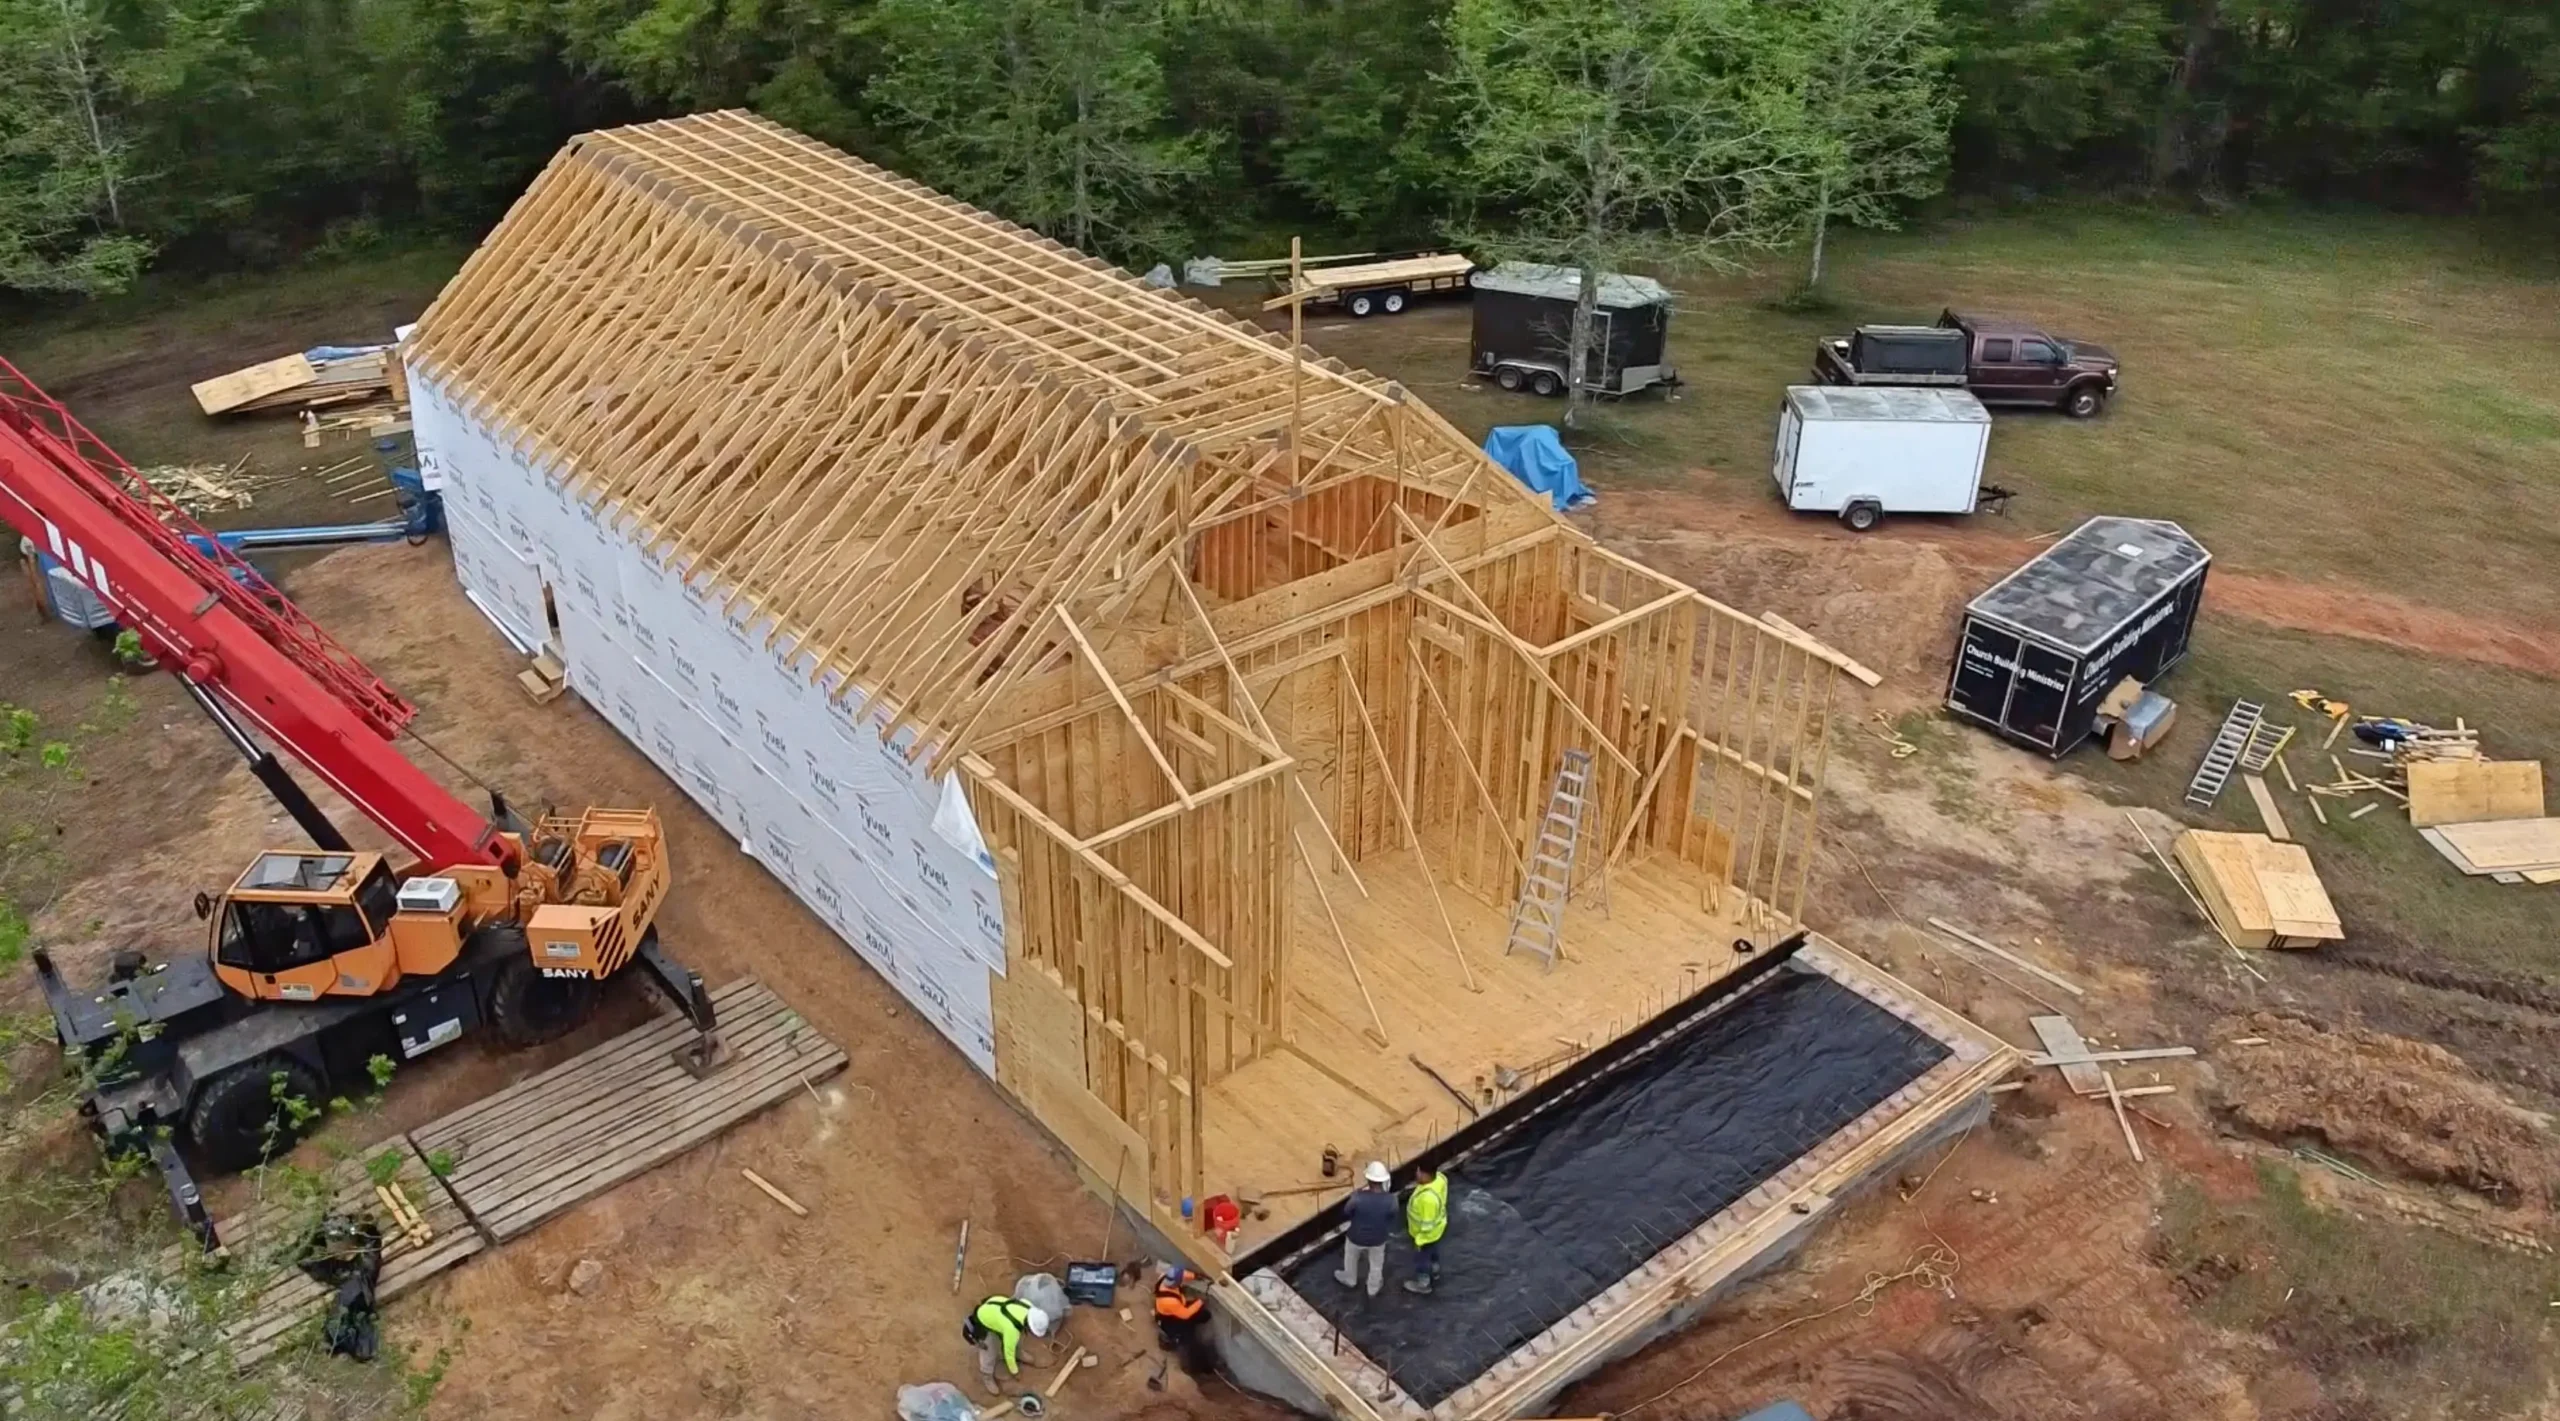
(889, 859)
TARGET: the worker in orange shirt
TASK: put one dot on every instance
(1182, 1318)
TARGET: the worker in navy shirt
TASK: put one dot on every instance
(1372, 1213)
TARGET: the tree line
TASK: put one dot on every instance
(219, 133)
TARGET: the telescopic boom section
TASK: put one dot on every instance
(83, 505)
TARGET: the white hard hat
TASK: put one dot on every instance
(1039, 1323)
(1378, 1172)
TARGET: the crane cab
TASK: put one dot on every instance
(302, 924)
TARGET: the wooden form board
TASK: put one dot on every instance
(2268, 814)
(544, 1145)
(224, 393)
(2260, 893)
(2473, 791)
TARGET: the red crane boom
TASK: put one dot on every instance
(82, 504)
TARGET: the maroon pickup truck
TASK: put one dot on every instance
(2001, 362)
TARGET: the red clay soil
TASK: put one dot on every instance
(1981, 549)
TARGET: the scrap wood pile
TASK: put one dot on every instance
(332, 388)
(199, 489)
(2485, 817)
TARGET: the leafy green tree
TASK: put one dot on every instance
(1604, 133)
(64, 161)
(1053, 113)
(2054, 91)
(1878, 107)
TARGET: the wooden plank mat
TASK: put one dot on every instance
(538, 1148)
(285, 1311)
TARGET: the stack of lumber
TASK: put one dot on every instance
(1426, 267)
(545, 679)
(332, 389)
(2259, 893)
(2507, 850)
(301, 382)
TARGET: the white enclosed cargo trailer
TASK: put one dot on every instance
(1864, 452)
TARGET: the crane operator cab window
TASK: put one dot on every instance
(268, 937)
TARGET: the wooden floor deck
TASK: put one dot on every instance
(1337, 1084)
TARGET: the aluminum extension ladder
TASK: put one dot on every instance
(2223, 755)
(1537, 919)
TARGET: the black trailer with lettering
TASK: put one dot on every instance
(2039, 651)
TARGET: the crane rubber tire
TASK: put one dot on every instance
(230, 1118)
(529, 1008)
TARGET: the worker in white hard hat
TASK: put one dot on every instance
(995, 1328)
(1371, 1214)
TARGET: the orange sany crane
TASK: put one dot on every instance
(318, 958)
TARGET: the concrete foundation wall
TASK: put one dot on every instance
(890, 860)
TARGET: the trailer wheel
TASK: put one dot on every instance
(529, 1008)
(1392, 302)
(2084, 401)
(1862, 516)
(240, 1117)
(1359, 303)
(1545, 385)
(1508, 377)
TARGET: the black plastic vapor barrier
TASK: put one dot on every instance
(1548, 1213)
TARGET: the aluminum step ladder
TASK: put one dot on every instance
(2223, 755)
(2265, 740)
(1537, 919)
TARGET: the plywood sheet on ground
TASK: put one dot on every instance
(2510, 845)
(626, 1107)
(2474, 791)
(2260, 893)
(224, 393)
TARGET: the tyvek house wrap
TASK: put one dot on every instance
(890, 860)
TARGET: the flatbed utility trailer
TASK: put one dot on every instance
(1380, 287)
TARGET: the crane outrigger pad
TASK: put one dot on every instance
(544, 1145)
(499, 1167)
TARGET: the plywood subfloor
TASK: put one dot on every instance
(1269, 1123)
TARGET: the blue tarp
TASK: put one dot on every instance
(1536, 457)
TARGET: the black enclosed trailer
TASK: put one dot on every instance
(2040, 650)
(1524, 330)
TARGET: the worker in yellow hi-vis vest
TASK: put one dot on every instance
(1426, 1218)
